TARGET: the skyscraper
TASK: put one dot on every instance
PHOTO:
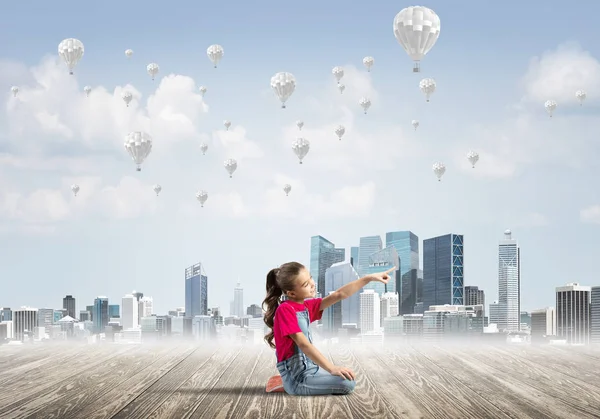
(196, 291)
(573, 313)
(354, 256)
(323, 254)
(100, 314)
(408, 286)
(379, 261)
(443, 270)
(473, 296)
(238, 301)
(367, 246)
(69, 305)
(595, 315)
(129, 305)
(509, 283)
(336, 276)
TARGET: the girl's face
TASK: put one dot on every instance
(305, 286)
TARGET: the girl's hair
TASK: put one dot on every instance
(279, 280)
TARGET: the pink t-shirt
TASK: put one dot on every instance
(286, 323)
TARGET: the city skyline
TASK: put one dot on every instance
(535, 173)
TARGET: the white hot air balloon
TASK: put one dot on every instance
(473, 158)
(365, 103)
(230, 165)
(287, 188)
(152, 69)
(215, 54)
(338, 73)
(71, 51)
(227, 124)
(14, 90)
(341, 88)
(550, 106)
(427, 86)
(75, 189)
(203, 148)
(580, 95)
(202, 90)
(439, 169)
(157, 188)
(415, 124)
(340, 130)
(128, 53)
(283, 84)
(299, 124)
(368, 63)
(87, 90)
(127, 97)
(416, 29)
(301, 146)
(139, 145)
(202, 196)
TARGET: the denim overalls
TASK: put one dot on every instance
(302, 377)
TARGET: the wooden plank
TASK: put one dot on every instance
(385, 385)
(484, 384)
(192, 393)
(154, 395)
(572, 396)
(88, 386)
(41, 382)
(130, 387)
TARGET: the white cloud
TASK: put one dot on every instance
(228, 205)
(534, 219)
(590, 214)
(236, 145)
(55, 107)
(558, 74)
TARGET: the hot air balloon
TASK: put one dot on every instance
(14, 90)
(416, 29)
(202, 90)
(299, 124)
(340, 130)
(415, 124)
(341, 88)
(227, 124)
(71, 51)
(473, 158)
(287, 188)
(301, 146)
(338, 73)
(203, 148)
(368, 63)
(152, 69)
(128, 53)
(215, 54)
(550, 106)
(87, 90)
(439, 169)
(427, 86)
(283, 84)
(202, 196)
(157, 188)
(127, 97)
(138, 144)
(75, 189)
(230, 165)
(580, 95)
(365, 103)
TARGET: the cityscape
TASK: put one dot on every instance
(431, 303)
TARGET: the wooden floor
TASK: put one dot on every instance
(186, 381)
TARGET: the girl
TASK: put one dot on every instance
(303, 369)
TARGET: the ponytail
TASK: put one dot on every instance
(278, 280)
(270, 303)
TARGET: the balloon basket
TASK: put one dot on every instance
(139, 169)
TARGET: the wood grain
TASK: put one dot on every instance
(194, 380)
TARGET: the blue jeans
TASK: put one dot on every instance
(302, 377)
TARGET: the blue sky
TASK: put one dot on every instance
(536, 175)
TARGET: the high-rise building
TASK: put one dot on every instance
(595, 315)
(509, 283)
(114, 311)
(354, 256)
(367, 246)
(573, 313)
(45, 318)
(389, 306)
(5, 314)
(543, 324)
(336, 276)
(370, 315)
(196, 291)
(69, 305)
(323, 254)
(238, 301)
(383, 260)
(100, 314)
(443, 270)
(473, 296)
(408, 285)
(129, 305)
(145, 307)
(24, 322)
